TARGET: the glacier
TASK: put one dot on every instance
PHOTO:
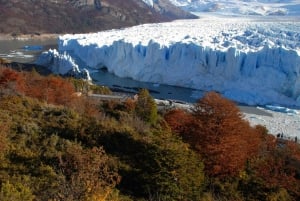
(249, 61)
(256, 62)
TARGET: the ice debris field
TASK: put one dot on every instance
(278, 120)
(251, 61)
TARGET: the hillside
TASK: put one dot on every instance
(68, 16)
(58, 146)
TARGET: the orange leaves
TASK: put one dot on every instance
(8, 75)
(178, 120)
(52, 89)
(222, 135)
(11, 80)
(217, 131)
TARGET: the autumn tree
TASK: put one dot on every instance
(51, 89)
(178, 120)
(219, 133)
(11, 81)
(276, 167)
(90, 174)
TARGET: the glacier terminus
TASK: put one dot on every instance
(252, 60)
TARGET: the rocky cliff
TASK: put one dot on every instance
(74, 16)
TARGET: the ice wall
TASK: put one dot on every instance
(62, 64)
(250, 62)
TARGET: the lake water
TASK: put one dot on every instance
(157, 90)
(27, 51)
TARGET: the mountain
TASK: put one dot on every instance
(249, 61)
(168, 9)
(241, 7)
(68, 16)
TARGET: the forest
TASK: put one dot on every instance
(57, 144)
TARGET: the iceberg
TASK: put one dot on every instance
(250, 61)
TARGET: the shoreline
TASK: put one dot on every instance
(45, 36)
(254, 110)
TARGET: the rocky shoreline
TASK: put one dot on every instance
(36, 36)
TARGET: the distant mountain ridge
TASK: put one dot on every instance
(76, 16)
(241, 7)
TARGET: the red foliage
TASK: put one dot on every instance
(278, 165)
(12, 80)
(130, 104)
(217, 131)
(178, 120)
(54, 90)
(51, 89)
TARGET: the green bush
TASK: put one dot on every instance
(146, 107)
(15, 192)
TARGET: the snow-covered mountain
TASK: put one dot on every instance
(241, 7)
(168, 9)
(149, 2)
(250, 61)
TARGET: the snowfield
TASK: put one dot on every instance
(252, 61)
(241, 7)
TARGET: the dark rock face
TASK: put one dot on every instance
(77, 16)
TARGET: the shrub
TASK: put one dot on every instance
(15, 192)
(146, 107)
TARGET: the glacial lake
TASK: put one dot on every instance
(27, 51)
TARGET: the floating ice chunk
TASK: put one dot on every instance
(282, 109)
(33, 47)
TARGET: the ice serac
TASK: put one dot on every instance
(62, 64)
(252, 62)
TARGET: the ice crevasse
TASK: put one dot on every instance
(252, 62)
